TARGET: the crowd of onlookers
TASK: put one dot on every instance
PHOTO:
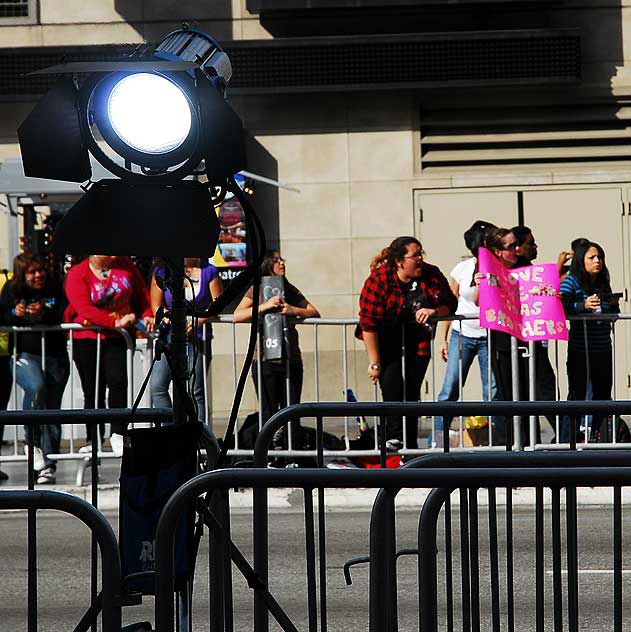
(105, 295)
(401, 297)
(403, 292)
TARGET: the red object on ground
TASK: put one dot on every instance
(372, 462)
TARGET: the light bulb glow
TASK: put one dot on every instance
(149, 113)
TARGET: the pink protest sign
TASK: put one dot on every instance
(523, 302)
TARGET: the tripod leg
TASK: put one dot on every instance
(184, 621)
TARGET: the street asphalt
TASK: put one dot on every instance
(63, 563)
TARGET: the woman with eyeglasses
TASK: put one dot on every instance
(587, 290)
(33, 297)
(399, 299)
(290, 302)
(504, 245)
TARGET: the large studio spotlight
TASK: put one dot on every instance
(149, 113)
(154, 120)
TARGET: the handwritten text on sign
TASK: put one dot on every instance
(523, 302)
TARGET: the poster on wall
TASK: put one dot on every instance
(231, 252)
(523, 302)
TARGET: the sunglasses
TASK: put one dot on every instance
(278, 260)
(512, 246)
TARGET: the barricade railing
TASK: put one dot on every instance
(493, 436)
(468, 473)
(73, 396)
(324, 412)
(462, 435)
(383, 553)
(485, 470)
(109, 599)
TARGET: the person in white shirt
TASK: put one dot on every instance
(465, 334)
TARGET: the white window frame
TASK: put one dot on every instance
(31, 18)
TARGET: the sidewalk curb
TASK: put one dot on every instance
(291, 499)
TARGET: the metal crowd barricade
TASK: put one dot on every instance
(325, 411)
(559, 425)
(444, 473)
(108, 600)
(72, 386)
(345, 381)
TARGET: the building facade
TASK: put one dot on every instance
(392, 117)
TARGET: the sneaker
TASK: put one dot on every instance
(340, 464)
(116, 441)
(87, 448)
(38, 457)
(47, 477)
(393, 444)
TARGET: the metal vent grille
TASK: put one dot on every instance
(463, 58)
(499, 137)
(14, 8)
(263, 6)
(16, 63)
(349, 63)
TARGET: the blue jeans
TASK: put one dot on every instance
(471, 347)
(161, 379)
(43, 389)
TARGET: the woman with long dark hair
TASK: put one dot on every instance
(399, 299)
(202, 285)
(587, 290)
(34, 297)
(289, 302)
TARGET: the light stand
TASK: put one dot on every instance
(153, 208)
(179, 345)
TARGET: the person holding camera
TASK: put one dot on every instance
(33, 297)
(587, 290)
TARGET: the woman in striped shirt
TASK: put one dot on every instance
(587, 290)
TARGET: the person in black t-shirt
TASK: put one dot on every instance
(274, 372)
(29, 299)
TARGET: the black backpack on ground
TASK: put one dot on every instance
(605, 433)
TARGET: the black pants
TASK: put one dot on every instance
(6, 383)
(600, 376)
(391, 382)
(272, 392)
(546, 386)
(502, 371)
(112, 375)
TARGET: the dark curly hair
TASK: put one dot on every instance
(396, 250)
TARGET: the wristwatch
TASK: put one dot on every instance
(375, 366)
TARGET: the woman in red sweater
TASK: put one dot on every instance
(110, 292)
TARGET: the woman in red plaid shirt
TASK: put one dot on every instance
(401, 295)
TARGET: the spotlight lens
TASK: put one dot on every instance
(149, 113)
